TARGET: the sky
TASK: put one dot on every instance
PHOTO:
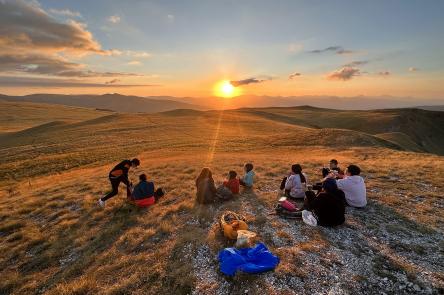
(187, 48)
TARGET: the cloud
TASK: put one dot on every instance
(171, 17)
(237, 83)
(25, 26)
(344, 74)
(65, 12)
(115, 19)
(134, 63)
(384, 73)
(50, 65)
(8, 81)
(294, 75)
(413, 69)
(356, 63)
(113, 81)
(335, 49)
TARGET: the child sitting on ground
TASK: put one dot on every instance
(248, 178)
(233, 182)
(144, 194)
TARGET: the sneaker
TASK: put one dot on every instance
(101, 203)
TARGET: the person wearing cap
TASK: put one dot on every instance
(117, 175)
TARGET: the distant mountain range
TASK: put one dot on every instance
(152, 104)
(114, 102)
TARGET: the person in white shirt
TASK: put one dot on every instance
(295, 184)
(353, 187)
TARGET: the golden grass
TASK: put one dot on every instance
(55, 239)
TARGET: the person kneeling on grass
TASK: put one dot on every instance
(248, 178)
(295, 184)
(144, 193)
(328, 205)
(117, 175)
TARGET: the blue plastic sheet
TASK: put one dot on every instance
(249, 260)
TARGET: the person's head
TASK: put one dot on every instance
(142, 177)
(353, 170)
(135, 162)
(232, 174)
(248, 167)
(333, 163)
(205, 173)
(329, 185)
(297, 169)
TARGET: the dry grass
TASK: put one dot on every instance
(55, 240)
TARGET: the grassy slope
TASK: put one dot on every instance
(55, 240)
(15, 116)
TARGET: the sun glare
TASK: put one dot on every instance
(226, 89)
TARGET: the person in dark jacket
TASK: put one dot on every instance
(144, 193)
(206, 190)
(328, 205)
(117, 175)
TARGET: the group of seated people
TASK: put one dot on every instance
(207, 191)
(326, 199)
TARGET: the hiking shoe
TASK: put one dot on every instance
(101, 203)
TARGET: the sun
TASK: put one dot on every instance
(226, 89)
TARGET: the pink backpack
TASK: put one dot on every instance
(289, 206)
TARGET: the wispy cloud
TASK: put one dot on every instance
(237, 83)
(333, 49)
(357, 63)
(134, 63)
(65, 12)
(413, 69)
(294, 75)
(50, 65)
(113, 81)
(384, 73)
(171, 17)
(115, 19)
(344, 74)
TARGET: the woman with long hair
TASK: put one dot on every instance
(295, 184)
(206, 190)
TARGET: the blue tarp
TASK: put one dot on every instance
(250, 260)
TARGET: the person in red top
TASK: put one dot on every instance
(233, 182)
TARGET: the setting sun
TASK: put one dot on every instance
(226, 89)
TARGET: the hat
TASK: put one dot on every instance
(309, 218)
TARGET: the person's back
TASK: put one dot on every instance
(144, 189)
(248, 178)
(232, 183)
(206, 190)
(329, 208)
(353, 187)
(295, 186)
